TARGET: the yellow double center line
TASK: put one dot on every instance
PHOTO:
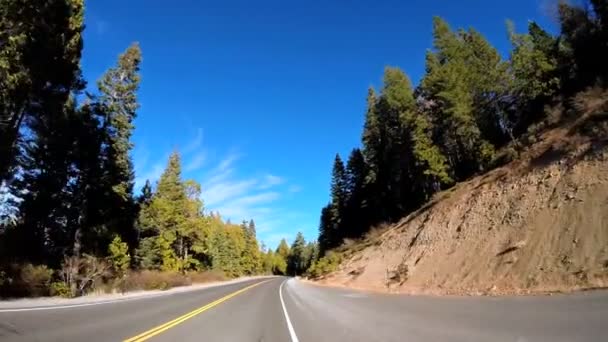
(159, 329)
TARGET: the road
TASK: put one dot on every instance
(283, 309)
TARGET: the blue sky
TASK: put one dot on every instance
(258, 96)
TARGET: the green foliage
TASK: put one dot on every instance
(326, 229)
(173, 221)
(60, 289)
(31, 87)
(119, 256)
(327, 264)
(470, 103)
(297, 260)
(118, 101)
(283, 249)
(279, 265)
(36, 279)
(20, 280)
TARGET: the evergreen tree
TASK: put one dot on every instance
(448, 86)
(146, 194)
(585, 31)
(251, 259)
(326, 233)
(251, 228)
(339, 198)
(394, 173)
(297, 259)
(355, 215)
(283, 249)
(40, 49)
(372, 152)
(311, 254)
(39, 92)
(118, 105)
(534, 66)
(171, 217)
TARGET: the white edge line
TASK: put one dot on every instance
(117, 300)
(67, 306)
(292, 333)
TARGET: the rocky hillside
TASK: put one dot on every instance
(539, 224)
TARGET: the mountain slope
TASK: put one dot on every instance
(537, 224)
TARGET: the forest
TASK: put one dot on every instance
(472, 111)
(71, 221)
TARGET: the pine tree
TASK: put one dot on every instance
(283, 249)
(395, 170)
(251, 258)
(146, 194)
(34, 87)
(584, 30)
(339, 198)
(168, 218)
(326, 230)
(372, 152)
(311, 255)
(534, 66)
(355, 215)
(118, 105)
(448, 86)
(296, 261)
(251, 228)
(40, 93)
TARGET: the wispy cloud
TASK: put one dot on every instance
(269, 181)
(152, 174)
(196, 162)
(229, 190)
(226, 189)
(195, 144)
(237, 196)
(294, 188)
(227, 162)
(264, 197)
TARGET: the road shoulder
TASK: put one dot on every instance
(97, 299)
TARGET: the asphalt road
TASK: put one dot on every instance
(282, 309)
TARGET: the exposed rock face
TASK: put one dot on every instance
(539, 224)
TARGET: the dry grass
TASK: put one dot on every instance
(151, 280)
(206, 277)
(157, 280)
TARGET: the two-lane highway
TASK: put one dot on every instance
(283, 309)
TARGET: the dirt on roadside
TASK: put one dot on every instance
(536, 225)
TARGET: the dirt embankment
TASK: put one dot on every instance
(536, 225)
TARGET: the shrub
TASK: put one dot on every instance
(25, 280)
(153, 280)
(36, 279)
(327, 264)
(82, 274)
(60, 289)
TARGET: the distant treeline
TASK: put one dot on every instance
(472, 111)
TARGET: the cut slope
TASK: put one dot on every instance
(535, 225)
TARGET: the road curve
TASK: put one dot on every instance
(282, 309)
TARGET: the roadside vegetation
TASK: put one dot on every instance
(472, 111)
(71, 222)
